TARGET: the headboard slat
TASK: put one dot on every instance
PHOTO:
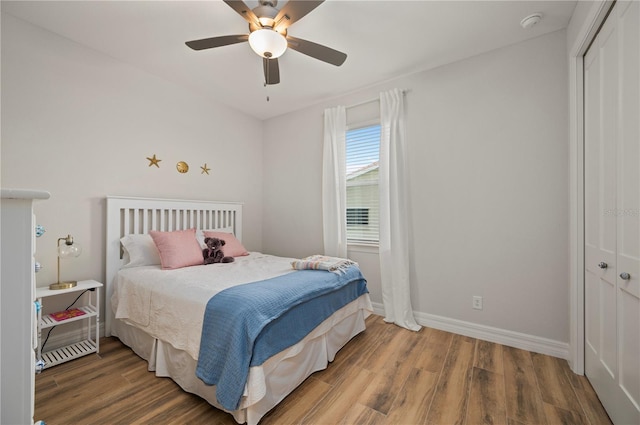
(127, 226)
(136, 220)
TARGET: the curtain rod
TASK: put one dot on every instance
(377, 99)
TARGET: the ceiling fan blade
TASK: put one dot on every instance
(243, 10)
(271, 71)
(317, 51)
(225, 40)
(293, 11)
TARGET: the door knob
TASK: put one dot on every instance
(625, 276)
(603, 265)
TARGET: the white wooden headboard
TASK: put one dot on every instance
(127, 216)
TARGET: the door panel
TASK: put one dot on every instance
(600, 200)
(592, 321)
(628, 201)
(612, 213)
(630, 347)
(608, 354)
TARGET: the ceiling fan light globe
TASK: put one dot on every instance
(267, 41)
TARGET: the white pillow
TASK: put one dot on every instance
(200, 234)
(139, 250)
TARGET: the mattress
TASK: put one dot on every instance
(159, 315)
(170, 304)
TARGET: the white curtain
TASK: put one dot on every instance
(334, 191)
(394, 231)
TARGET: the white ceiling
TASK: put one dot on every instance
(383, 40)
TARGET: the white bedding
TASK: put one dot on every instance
(155, 301)
(267, 384)
(169, 305)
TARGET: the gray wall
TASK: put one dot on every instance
(80, 125)
(488, 155)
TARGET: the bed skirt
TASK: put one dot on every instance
(267, 384)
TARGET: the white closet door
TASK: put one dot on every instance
(612, 213)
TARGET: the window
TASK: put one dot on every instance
(363, 154)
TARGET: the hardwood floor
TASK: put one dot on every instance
(387, 375)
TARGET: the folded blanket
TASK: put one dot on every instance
(323, 262)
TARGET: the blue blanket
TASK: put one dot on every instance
(245, 325)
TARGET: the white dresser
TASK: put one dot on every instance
(17, 308)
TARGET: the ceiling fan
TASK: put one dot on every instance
(268, 34)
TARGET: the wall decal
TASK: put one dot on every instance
(205, 169)
(154, 161)
(182, 167)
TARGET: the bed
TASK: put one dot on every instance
(161, 318)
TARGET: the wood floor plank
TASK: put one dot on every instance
(69, 401)
(46, 385)
(297, 405)
(434, 350)
(449, 404)
(398, 344)
(412, 403)
(392, 367)
(87, 370)
(333, 408)
(358, 351)
(555, 387)
(200, 413)
(155, 407)
(386, 332)
(591, 407)
(147, 411)
(558, 416)
(486, 399)
(488, 356)
(151, 401)
(524, 402)
(137, 373)
(363, 415)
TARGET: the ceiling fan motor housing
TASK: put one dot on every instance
(266, 13)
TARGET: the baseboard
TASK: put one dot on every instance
(488, 333)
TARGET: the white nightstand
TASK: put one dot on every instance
(89, 303)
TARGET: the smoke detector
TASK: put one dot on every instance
(531, 20)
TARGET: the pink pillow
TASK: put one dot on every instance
(178, 249)
(232, 248)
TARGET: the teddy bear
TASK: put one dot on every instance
(213, 252)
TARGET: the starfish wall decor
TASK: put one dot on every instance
(154, 161)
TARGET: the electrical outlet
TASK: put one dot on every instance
(477, 302)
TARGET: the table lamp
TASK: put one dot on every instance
(67, 250)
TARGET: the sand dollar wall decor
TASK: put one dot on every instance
(182, 167)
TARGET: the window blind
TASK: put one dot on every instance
(362, 158)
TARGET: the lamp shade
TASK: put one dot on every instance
(268, 43)
(66, 251)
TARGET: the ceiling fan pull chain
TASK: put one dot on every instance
(266, 86)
